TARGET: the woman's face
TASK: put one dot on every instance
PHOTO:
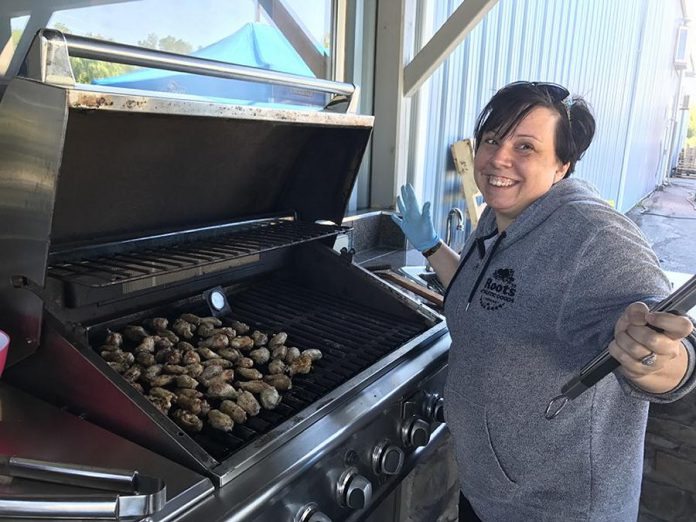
(514, 172)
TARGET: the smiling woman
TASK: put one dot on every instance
(551, 276)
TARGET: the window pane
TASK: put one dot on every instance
(283, 35)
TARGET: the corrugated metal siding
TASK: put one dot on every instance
(617, 54)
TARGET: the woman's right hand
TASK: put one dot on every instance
(415, 222)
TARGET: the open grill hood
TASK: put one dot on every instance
(83, 167)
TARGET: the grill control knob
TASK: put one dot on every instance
(415, 432)
(353, 490)
(311, 513)
(434, 408)
(387, 458)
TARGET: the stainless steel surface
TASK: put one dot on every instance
(311, 513)
(353, 490)
(454, 215)
(387, 458)
(37, 431)
(309, 466)
(48, 61)
(32, 130)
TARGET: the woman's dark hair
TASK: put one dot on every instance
(575, 127)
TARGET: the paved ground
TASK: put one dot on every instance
(668, 219)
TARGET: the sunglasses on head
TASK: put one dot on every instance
(556, 92)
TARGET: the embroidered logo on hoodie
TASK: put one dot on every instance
(498, 290)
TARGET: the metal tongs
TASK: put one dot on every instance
(678, 302)
(137, 496)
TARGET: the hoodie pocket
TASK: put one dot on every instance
(480, 470)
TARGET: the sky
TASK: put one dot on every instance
(199, 22)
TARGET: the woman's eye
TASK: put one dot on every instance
(525, 146)
(490, 141)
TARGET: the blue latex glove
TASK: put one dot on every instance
(415, 223)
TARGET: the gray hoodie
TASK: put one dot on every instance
(525, 314)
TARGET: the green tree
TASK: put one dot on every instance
(168, 43)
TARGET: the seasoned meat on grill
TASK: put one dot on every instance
(133, 373)
(161, 403)
(248, 403)
(292, 354)
(269, 398)
(242, 342)
(276, 366)
(279, 352)
(220, 421)
(109, 348)
(212, 320)
(151, 372)
(187, 420)
(162, 342)
(156, 391)
(188, 392)
(137, 386)
(241, 328)
(313, 354)
(231, 354)
(162, 380)
(118, 356)
(260, 355)
(119, 366)
(194, 370)
(260, 338)
(168, 334)
(249, 374)
(254, 387)
(113, 338)
(146, 345)
(244, 362)
(184, 381)
(190, 318)
(215, 341)
(207, 353)
(218, 362)
(134, 333)
(221, 390)
(278, 339)
(208, 373)
(157, 323)
(192, 404)
(189, 356)
(145, 359)
(235, 411)
(184, 329)
(205, 330)
(279, 382)
(174, 369)
(303, 364)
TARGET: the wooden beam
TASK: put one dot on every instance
(441, 45)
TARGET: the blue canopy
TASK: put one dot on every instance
(254, 45)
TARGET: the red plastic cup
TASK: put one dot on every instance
(4, 345)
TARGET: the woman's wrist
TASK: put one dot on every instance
(430, 251)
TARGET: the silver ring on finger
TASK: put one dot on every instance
(649, 359)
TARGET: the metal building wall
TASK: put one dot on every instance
(616, 54)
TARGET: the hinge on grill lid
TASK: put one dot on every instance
(347, 255)
(217, 302)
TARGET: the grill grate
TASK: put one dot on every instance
(351, 337)
(189, 258)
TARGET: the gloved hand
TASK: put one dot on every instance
(415, 223)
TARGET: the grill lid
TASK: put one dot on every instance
(136, 163)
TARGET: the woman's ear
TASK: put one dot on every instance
(561, 172)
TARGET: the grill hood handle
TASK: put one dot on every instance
(138, 495)
(48, 61)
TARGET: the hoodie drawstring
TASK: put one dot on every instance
(478, 244)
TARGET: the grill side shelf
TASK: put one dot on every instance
(131, 271)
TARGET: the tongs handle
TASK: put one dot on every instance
(138, 495)
(678, 302)
(72, 474)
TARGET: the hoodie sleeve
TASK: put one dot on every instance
(613, 268)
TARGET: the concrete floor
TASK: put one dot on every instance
(668, 219)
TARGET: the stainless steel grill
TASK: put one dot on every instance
(118, 206)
